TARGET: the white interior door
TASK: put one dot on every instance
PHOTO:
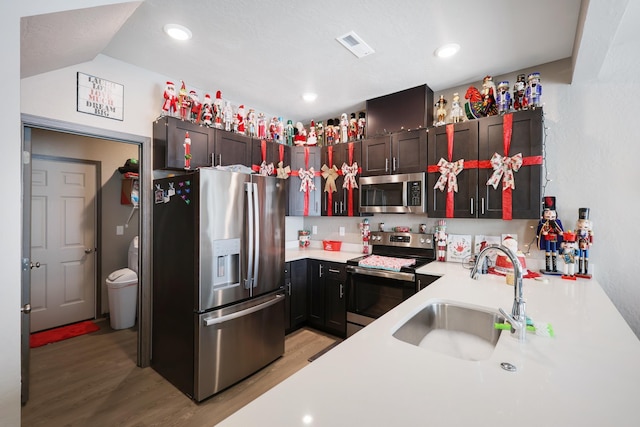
(63, 242)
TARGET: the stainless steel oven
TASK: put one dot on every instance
(374, 291)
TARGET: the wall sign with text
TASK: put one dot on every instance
(100, 97)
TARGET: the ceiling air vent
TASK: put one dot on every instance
(355, 44)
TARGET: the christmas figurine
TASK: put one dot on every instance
(170, 104)
(362, 123)
(457, 112)
(273, 129)
(519, 100)
(584, 238)
(184, 101)
(196, 107)
(503, 98)
(569, 254)
(549, 234)
(488, 96)
(352, 132)
(344, 127)
(289, 131)
(227, 116)
(366, 231)
(240, 118)
(187, 151)
(280, 130)
(300, 137)
(533, 93)
(330, 132)
(206, 114)
(262, 126)
(441, 111)
(312, 138)
(320, 133)
(218, 111)
(251, 122)
(440, 236)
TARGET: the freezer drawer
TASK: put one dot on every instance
(236, 341)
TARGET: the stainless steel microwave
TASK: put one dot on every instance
(402, 193)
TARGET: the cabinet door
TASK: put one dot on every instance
(331, 205)
(232, 149)
(376, 153)
(272, 151)
(316, 298)
(168, 144)
(335, 299)
(287, 296)
(297, 197)
(297, 293)
(526, 139)
(409, 151)
(465, 146)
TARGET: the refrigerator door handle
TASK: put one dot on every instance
(248, 282)
(237, 314)
(256, 234)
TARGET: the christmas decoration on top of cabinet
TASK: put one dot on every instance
(584, 237)
(184, 101)
(187, 151)
(217, 110)
(195, 106)
(448, 170)
(170, 104)
(362, 122)
(206, 114)
(481, 103)
(533, 93)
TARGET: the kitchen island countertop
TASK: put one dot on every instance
(587, 375)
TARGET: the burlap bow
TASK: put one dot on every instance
(306, 178)
(330, 174)
(266, 169)
(350, 173)
(504, 166)
(283, 172)
(448, 175)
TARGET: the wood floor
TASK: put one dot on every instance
(93, 380)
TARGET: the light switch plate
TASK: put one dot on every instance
(119, 230)
(341, 231)
(314, 229)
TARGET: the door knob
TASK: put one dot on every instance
(36, 265)
(88, 251)
(26, 309)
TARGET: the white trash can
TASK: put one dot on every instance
(122, 287)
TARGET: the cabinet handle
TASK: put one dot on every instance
(289, 288)
(394, 164)
(341, 290)
(333, 270)
(220, 159)
(325, 202)
(335, 207)
(341, 207)
(472, 206)
(320, 270)
(316, 205)
(482, 204)
(386, 165)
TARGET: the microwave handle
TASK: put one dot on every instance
(386, 164)
(404, 194)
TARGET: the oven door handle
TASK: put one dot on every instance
(398, 275)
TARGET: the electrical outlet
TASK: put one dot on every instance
(119, 230)
(341, 231)
(314, 229)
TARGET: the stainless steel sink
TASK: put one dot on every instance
(458, 330)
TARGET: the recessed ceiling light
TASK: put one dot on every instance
(447, 50)
(177, 32)
(309, 96)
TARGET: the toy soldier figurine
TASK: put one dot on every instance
(519, 101)
(534, 91)
(549, 234)
(440, 236)
(441, 111)
(569, 254)
(503, 98)
(362, 123)
(585, 239)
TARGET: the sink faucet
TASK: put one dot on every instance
(517, 318)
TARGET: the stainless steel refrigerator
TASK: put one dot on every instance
(218, 273)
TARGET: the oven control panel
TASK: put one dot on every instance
(406, 240)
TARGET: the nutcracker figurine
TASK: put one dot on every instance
(280, 130)
(251, 122)
(289, 131)
(187, 151)
(206, 114)
(533, 93)
(440, 236)
(352, 132)
(344, 127)
(330, 132)
(457, 112)
(549, 234)
(569, 254)
(366, 231)
(320, 133)
(503, 98)
(584, 238)
(519, 100)
(362, 123)
(217, 110)
(196, 106)
(441, 111)
(184, 101)
(227, 116)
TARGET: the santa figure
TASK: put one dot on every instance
(170, 104)
(312, 138)
(503, 263)
(301, 136)
(240, 118)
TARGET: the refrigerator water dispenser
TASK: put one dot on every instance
(226, 259)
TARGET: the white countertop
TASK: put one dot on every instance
(587, 375)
